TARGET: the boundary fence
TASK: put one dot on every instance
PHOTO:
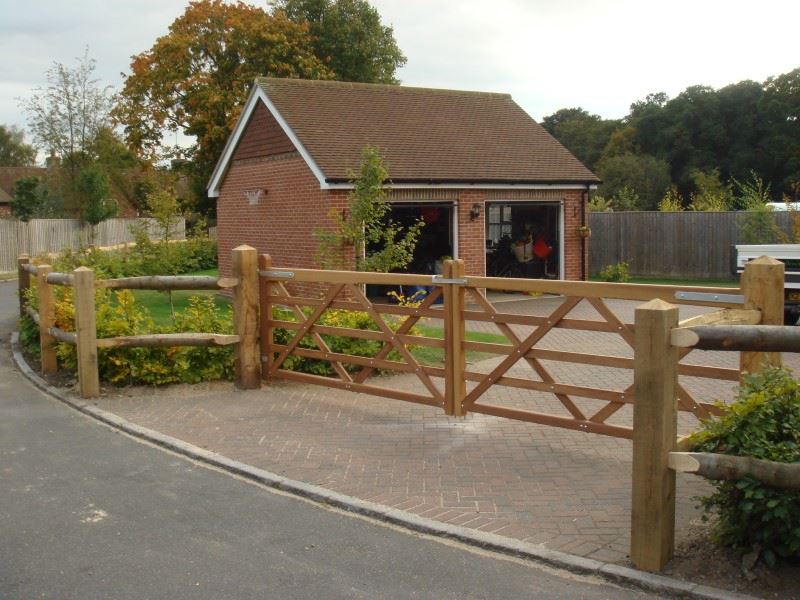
(656, 394)
(671, 245)
(39, 236)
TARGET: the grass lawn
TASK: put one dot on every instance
(157, 303)
(435, 356)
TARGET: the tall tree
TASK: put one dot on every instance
(780, 110)
(65, 117)
(349, 38)
(584, 134)
(14, 152)
(643, 174)
(195, 78)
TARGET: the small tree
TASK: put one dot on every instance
(672, 200)
(378, 244)
(753, 193)
(758, 225)
(27, 201)
(163, 206)
(97, 206)
(599, 204)
(712, 195)
(626, 198)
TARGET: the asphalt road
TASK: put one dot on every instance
(87, 512)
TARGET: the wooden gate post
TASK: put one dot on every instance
(265, 310)
(245, 318)
(86, 332)
(762, 286)
(655, 423)
(455, 386)
(24, 281)
(46, 320)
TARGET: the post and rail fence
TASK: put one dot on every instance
(657, 340)
(85, 335)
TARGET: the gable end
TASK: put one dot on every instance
(262, 136)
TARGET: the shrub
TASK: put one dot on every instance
(763, 422)
(145, 258)
(117, 314)
(617, 273)
(337, 343)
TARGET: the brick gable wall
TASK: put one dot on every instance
(263, 136)
(283, 222)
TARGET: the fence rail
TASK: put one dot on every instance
(680, 245)
(38, 236)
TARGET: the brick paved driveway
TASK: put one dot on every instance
(566, 490)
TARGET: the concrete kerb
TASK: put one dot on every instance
(575, 564)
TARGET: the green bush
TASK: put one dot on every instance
(763, 422)
(617, 273)
(117, 314)
(145, 258)
(337, 343)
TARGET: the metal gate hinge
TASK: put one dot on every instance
(706, 297)
(439, 280)
(277, 274)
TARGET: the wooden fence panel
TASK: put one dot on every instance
(54, 235)
(680, 245)
(13, 242)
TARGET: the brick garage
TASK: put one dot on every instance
(474, 158)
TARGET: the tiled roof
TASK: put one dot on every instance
(424, 135)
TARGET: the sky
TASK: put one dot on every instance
(601, 55)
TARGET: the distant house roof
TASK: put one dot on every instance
(10, 175)
(426, 136)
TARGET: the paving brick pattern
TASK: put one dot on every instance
(563, 489)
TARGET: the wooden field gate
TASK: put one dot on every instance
(342, 290)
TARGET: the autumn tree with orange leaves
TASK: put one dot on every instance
(195, 79)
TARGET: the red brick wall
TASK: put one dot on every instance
(472, 234)
(283, 222)
(573, 243)
(294, 206)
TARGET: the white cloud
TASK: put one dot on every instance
(598, 54)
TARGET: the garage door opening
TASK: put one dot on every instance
(436, 242)
(523, 239)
